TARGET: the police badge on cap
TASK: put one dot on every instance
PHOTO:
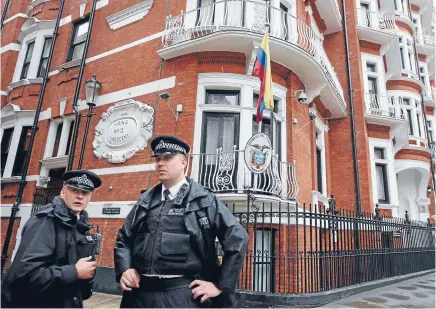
(165, 145)
(82, 179)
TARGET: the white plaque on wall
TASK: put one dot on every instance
(124, 129)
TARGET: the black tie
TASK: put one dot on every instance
(166, 194)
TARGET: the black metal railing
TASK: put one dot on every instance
(42, 197)
(309, 249)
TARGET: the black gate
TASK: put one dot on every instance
(42, 197)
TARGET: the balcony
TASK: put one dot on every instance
(238, 26)
(329, 11)
(226, 173)
(425, 43)
(383, 108)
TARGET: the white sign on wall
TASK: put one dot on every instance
(124, 129)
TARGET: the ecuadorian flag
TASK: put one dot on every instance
(262, 69)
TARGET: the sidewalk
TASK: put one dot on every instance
(413, 293)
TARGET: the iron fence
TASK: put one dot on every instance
(42, 197)
(303, 249)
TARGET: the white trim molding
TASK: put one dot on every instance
(10, 46)
(19, 15)
(129, 15)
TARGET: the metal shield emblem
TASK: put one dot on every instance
(258, 153)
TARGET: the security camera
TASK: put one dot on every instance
(302, 97)
(164, 95)
(312, 115)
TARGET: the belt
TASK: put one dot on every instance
(163, 284)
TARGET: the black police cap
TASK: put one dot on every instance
(165, 145)
(82, 179)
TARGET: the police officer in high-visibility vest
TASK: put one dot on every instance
(165, 252)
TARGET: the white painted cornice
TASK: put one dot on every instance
(129, 15)
(34, 25)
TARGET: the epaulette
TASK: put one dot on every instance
(45, 210)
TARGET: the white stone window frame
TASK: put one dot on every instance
(379, 74)
(247, 85)
(60, 159)
(373, 9)
(389, 161)
(402, 6)
(51, 137)
(418, 25)
(13, 117)
(432, 128)
(38, 36)
(406, 41)
(416, 109)
(322, 129)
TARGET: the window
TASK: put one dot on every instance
(77, 46)
(57, 140)
(221, 130)
(407, 54)
(70, 134)
(263, 264)
(430, 131)
(284, 12)
(381, 175)
(44, 57)
(23, 147)
(59, 137)
(403, 63)
(27, 60)
(409, 118)
(5, 145)
(321, 181)
(222, 97)
(319, 169)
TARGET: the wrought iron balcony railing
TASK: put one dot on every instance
(384, 106)
(376, 20)
(226, 172)
(254, 17)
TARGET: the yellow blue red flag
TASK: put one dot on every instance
(262, 69)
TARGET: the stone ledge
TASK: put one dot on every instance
(129, 15)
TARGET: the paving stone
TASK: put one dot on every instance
(114, 303)
(376, 300)
(420, 294)
(395, 296)
(408, 288)
(422, 286)
(363, 304)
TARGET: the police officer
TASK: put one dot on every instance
(53, 266)
(165, 254)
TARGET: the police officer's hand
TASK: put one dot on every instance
(129, 279)
(205, 289)
(85, 268)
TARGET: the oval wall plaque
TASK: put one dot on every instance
(123, 130)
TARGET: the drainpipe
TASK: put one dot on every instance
(77, 91)
(353, 138)
(5, 10)
(23, 181)
(353, 126)
(423, 105)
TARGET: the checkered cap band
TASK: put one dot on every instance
(82, 180)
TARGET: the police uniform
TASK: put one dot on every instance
(43, 273)
(165, 241)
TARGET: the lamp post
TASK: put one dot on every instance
(92, 91)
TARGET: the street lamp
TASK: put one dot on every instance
(92, 91)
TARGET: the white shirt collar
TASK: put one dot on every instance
(173, 190)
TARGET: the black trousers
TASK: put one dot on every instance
(153, 293)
